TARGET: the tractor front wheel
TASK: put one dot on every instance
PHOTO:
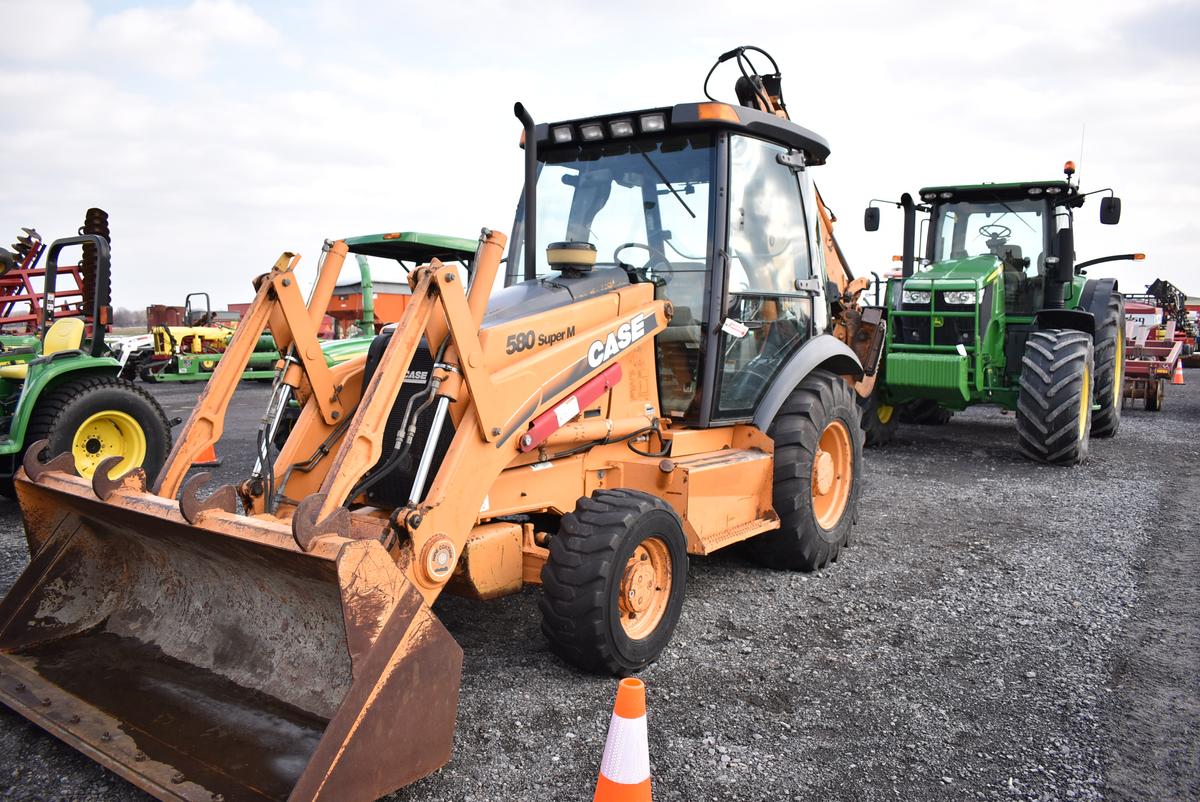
(818, 475)
(879, 419)
(613, 586)
(1054, 405)
(98, 417)
(1110, 368)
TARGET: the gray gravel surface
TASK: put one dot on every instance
(999, 630)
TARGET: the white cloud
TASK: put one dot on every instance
(218, 135)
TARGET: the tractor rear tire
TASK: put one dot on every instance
(879, 420)
(1110, 368)
(1054, 405)
(818, 475)
(925, 413)
(110, 415)
(613, 585)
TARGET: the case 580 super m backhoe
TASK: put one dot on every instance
(587, 427)
(999, 312)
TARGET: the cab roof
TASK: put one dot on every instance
(413, 246)
(687, 117)
(1019, 190)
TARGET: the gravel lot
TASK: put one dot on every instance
(999, 630)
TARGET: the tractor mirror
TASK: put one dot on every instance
(871, 218)
(1064, 269)
(1110, 211)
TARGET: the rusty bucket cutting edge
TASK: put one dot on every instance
(203, 664)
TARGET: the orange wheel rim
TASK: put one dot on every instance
(833, 475)
(645, 588)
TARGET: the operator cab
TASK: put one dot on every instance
(711, 204)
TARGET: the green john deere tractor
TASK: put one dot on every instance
(999, 312)
(64, 389)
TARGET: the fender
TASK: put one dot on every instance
(1066, 319)
(822, 351)
(1095, 295)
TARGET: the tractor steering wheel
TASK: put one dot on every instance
(995, 231)
(657, 261)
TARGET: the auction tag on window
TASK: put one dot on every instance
(962, 349)
(734, 328)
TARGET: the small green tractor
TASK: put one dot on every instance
(63, 386)
(999, 312)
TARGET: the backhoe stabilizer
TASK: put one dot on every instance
(219, 660)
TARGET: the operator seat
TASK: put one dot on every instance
(1014, 272)
(65, 335)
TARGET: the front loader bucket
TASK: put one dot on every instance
(219, 661)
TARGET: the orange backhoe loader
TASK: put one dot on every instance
(669, 371)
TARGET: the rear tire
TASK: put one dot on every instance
(925, 413)
(1155, 390)
(613, 586)
(821, 416)
(1054, 406)
(879, 420)
(79, 413)
(1110, 368)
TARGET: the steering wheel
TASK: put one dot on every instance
(995, 231)
(661, 266)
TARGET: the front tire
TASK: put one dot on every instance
(818, 467)
(1054, 405)
(1110, 368)
(613, 586)
(102, 416)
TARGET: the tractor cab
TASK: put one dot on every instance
(711, 204)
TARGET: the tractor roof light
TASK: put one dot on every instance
(620, 128)
(1053, 190)
(653, 123)
(1069, 168)
(946, 195)
(929, 196)
(1035, 190)
(717, 111)
(1137, 257)
(591, 132)
(563, 134)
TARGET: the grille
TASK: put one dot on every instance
(392, 490)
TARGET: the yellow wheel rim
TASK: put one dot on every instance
(1119, 369)
(108, 434)
(645, 589)
(832, 475)
(1085, 401)
(885, 412)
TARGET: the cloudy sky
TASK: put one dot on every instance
(218, 133)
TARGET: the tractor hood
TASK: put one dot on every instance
(968, 273)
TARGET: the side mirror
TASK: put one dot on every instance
(1110, 211)
(871, 218)
(1064, 269)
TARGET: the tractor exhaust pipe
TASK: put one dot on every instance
(531, 171)
(910, 235)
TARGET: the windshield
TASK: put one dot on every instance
(1013, 231)
(644, 204)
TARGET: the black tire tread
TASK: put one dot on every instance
(1051, 382)
(1107, 419)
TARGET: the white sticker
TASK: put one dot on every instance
(486, 504)
(541, 466)
(566, 410)
(962, 349)
(734, 328)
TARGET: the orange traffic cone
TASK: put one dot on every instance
(208, 458)
(1178, 377)
(625, 769)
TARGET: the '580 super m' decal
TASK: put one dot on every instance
(628, 333)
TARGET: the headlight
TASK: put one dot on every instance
(959, 297)
(915, 297)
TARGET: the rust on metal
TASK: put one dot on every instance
(191, 506)
(307, 528)
(104, 487)
(35, 468)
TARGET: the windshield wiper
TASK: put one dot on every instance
(674, 191)
(1013, 212)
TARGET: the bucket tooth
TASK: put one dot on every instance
(306, 528)
(104, 487)
(34, 466)
(191, 506)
